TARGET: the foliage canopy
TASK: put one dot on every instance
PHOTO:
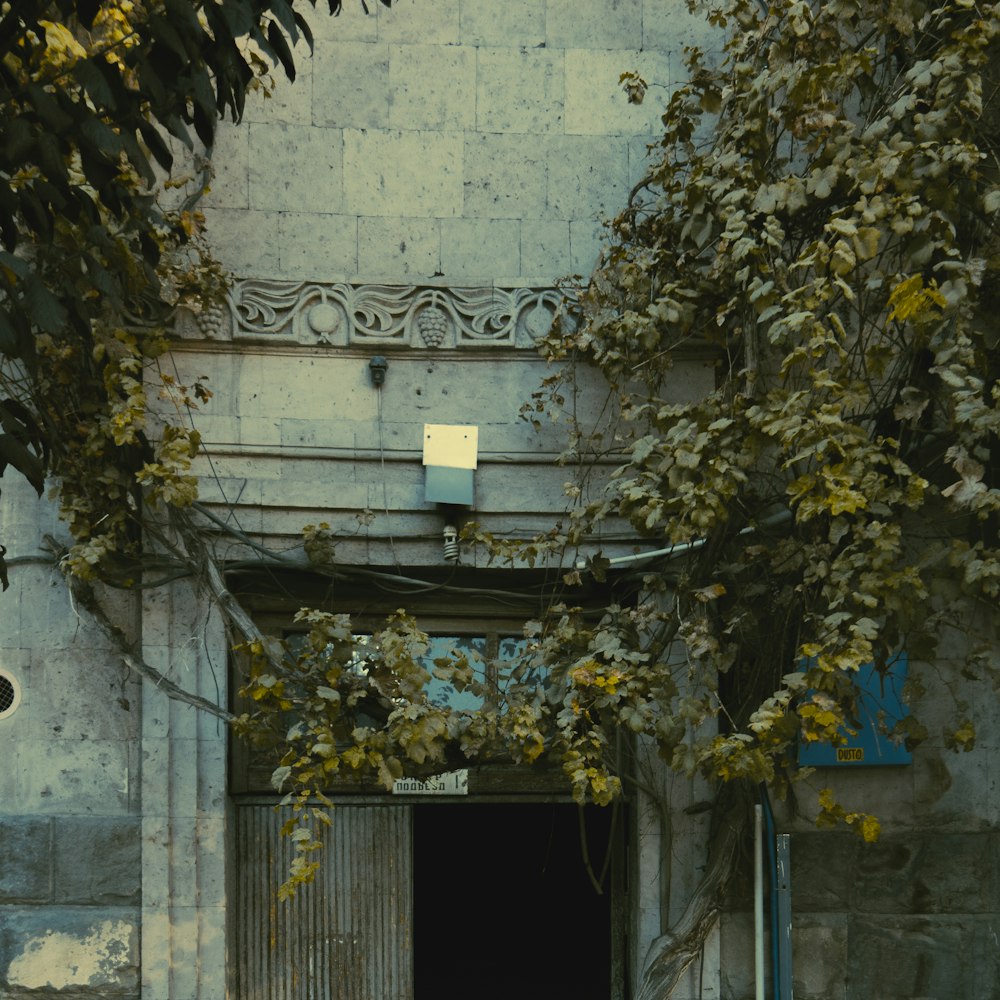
(821, 211)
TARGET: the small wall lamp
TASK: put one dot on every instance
(378, 366)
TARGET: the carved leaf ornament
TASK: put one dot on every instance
(387, 316)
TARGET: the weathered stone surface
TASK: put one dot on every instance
(296, 433)
(316, 495)
(229, 185)
(669, 26)
(910, 957)
(520, 90)
(823, 870)
(84, 951)
(286, 100)
(447, 109)
(821, 944)
(352, 24)
(936, 873)
(24, 518)
(415, 21)
(432, 87)
(641, 157)
(885, 791)
(97, 860)
(612, 24)
(410, 247)
(505, 176)
(184, 805)
(241, 241)
(109, 695)
(25, 859)
(586, 241)
(477, 249)
(318, 246)
(545, 248)
(350, 84)
(595, 101)
(737, 956)
(300, 386)
(517, 22)
(588, 176)
(48, 619)
(318, 187)
(416, 174)
(75, 776)
(983, 956)
(954, 791)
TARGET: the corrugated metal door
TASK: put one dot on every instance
(348, 936)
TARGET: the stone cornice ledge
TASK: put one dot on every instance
(381, 316)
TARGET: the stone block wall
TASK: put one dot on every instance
(914, 915)
(917, 913)
(69, 827)
(450, 139)
(69, 906)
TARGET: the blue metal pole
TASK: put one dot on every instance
(772, 870)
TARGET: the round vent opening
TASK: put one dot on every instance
(10, 694)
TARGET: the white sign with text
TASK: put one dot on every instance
(451, 783)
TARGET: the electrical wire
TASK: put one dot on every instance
(385, 489)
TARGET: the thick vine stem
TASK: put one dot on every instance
(672, 953)
(85, 596)
(197, 553)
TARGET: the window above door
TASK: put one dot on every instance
(475, 656)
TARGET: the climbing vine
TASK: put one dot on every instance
(820, 215)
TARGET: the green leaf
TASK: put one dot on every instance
(14, 453)
(88, 73)
(152, 138)
(280, 48)
(49, 109)
(8, 336)
(43, 308)
(163, 31)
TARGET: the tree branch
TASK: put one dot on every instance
(86, 598)
(173, 690)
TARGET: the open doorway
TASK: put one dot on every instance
(504, 905)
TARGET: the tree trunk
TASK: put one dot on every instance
(671, 953)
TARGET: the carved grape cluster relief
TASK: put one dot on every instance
(382, 316)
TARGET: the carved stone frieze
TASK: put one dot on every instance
(379, 316)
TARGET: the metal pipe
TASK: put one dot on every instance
(671, 550)
(679, 548)
(758, 900)
(772, 871)
(783, 847)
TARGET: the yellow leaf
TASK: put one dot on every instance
(870, 829)
(61, 48)
(865, 243)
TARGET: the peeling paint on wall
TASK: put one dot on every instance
(58, 960)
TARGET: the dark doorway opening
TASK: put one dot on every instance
(504, 906)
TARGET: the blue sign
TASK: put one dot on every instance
(879, 707)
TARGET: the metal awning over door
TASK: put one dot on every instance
(348, 935)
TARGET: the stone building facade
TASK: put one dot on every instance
(415, 195)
